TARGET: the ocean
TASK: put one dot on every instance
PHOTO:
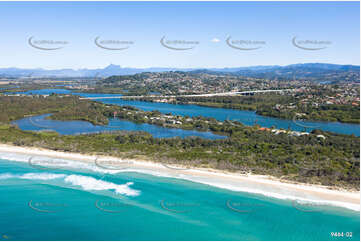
(84, 202)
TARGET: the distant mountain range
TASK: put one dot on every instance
(110, 70)
(314, 71)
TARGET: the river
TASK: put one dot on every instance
(221, 114)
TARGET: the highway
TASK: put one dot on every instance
(196, 95)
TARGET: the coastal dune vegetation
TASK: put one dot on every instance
(319, 158)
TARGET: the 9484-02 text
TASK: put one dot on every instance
(341, 234)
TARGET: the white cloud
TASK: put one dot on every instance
(215, 40)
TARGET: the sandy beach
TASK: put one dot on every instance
(265, 185)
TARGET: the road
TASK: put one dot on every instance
(196, 95)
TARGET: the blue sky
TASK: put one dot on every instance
(145, 23)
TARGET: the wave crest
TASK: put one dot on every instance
(85, 182)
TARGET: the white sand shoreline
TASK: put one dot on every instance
(265, 185)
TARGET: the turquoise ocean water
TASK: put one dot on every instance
(87, 203)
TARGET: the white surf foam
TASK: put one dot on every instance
(245, 188)
(14, 157)
(85, 182)
(41, 176)
(90, 183)
(32, 176)
(277, 195)
(54, 163)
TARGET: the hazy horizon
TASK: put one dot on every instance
(155, 67)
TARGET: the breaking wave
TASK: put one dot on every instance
(86, 183)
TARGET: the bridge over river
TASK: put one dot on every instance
(197, 95)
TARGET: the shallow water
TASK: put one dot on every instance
(93, 204)
(36, 123)
(245, 117)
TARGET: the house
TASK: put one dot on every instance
(321, 136)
